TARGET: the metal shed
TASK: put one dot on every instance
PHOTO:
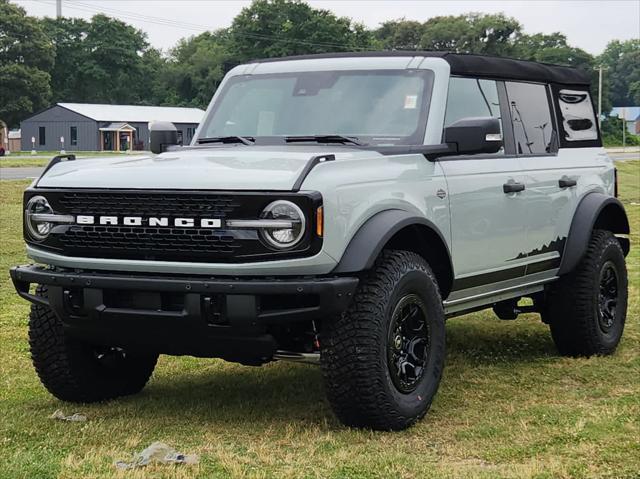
(93, 127)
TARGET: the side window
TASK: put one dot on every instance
(532, 125)
(42, 136)
(578, 119)
(73, 134)
(472, 97)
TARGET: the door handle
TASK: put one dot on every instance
(512, 187)
(565, 182)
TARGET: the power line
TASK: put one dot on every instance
(128, 15)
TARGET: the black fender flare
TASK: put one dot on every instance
(595, 210)
(365, 246)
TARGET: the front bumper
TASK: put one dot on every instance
(201, 316)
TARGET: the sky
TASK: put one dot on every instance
(588, 24)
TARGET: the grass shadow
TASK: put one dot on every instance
(219, 393)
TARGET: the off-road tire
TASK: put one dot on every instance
(70, 369)
(354, 346)
(573, 307)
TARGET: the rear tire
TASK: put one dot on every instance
(382, 360)
(586, 309)
(76, 371)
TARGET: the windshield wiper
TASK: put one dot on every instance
(245, 140)
(352, 140)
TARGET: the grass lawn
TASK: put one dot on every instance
(9, 162)
(508, 405)
(24, 159)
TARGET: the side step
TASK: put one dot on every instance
(484, 300)
(296, 357)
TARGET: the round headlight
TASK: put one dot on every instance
(283, 237)
(38, 229)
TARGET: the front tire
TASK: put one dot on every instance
(76, 371)
(586, 309)
(382, 360)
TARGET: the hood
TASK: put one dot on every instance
(236, 167)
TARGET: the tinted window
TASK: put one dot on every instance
(42, 140)
(531, 117)
(470, 97)
(578, 119)
(73, 134)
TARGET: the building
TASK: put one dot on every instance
(14, 140)
(631, 115)
(92, 127)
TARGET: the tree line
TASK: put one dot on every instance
(105, 60)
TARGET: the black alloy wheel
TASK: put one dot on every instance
(608, 296)
(408, 344)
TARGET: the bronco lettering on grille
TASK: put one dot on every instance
(151, 221)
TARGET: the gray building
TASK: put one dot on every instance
(91, 127)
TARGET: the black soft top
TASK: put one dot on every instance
(475, 65)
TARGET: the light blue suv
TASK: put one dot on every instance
(333, 209)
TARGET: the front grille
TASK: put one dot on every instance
(158, 241)
(169, 243)
(139, 204)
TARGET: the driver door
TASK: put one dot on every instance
(488, 213)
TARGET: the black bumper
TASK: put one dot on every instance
(200, 316)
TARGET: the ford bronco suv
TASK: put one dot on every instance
(332, 209)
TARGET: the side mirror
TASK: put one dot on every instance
(475, 135)
(162, 134)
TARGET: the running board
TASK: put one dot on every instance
(482, 300)
(295, 357)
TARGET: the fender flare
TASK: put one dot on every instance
(594, 210)
(365, 246)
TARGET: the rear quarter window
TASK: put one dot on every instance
(578, 118)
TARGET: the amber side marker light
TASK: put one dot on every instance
(320, 221)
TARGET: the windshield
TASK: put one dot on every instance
(376, 107)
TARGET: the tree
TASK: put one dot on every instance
(26, 55)
(195, 69)
(100, 61)
(400, 35)
(622, 60)
(275, 28)
(67, 35)
(472, 33)
(114, 50)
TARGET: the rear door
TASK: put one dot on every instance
(488, 226)
(552, 175)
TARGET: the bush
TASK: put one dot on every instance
(611, 128)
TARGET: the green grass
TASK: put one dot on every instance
(8, 162)
(19, 159)
(56, 152)
(508, 405)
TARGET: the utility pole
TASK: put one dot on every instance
(600, 70)
(623, 114)
(58, 8)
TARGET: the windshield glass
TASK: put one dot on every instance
(378, 107)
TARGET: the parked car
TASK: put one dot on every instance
(333, 209)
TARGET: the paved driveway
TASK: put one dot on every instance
(20, 173)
